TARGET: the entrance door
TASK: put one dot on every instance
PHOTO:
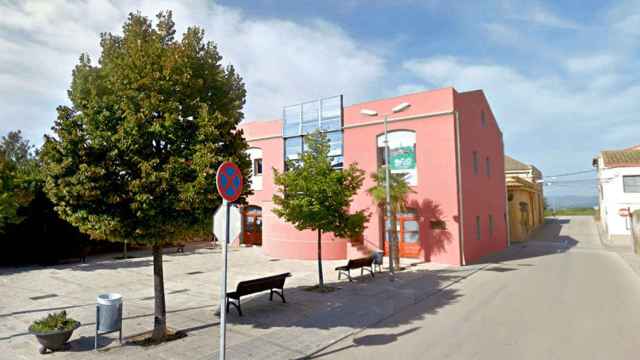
(408, 230)
(252, 234)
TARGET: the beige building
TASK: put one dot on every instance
(525, 197)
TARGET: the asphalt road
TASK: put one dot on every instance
(560, 296)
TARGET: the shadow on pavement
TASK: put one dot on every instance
(313, 321)
(367, 340)
(544, 241)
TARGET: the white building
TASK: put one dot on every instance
(618, 188)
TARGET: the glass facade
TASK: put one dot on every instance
(302, 119)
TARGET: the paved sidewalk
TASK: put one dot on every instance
(624, 251)
(308, 322)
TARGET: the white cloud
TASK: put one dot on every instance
(282, 62)
(550, 120)
(503, 34)
(591, 63)
(625, 17)
(537, 14)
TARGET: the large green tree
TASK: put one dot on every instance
(19, 177)
(312, 195)
(399, 190)
(134, 157)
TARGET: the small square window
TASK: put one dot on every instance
(490, 225)
(476, 166)
(487, 165)
(257, 167)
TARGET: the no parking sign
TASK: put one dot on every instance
(229, 183)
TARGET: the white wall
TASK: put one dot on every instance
(614, 198)
(256, 180)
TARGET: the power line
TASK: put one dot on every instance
(569, 181)
(573, 173)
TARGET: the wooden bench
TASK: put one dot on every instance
(365, 263)
(275, 285)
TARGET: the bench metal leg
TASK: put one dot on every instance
(370, 270)
(279, 293)
(236, 304)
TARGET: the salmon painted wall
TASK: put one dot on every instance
(269, 140)
(435, 195)
(483, 194)
(280, 239)
(431, 117)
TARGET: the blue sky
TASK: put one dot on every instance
(561, 77)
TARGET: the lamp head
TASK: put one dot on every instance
(401, 107)
(368, 112)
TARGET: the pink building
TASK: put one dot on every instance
(447, 143)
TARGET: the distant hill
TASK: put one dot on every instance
(572, 201)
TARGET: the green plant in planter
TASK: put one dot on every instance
(54, 322)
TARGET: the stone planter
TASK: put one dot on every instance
(54, 340)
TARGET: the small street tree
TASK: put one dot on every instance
(312, 195)
(399, 190)
(134, 157)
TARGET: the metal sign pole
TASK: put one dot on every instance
(223, 290)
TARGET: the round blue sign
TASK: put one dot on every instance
(229, 181)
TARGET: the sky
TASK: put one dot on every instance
(561, 77)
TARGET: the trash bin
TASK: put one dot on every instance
(108, 315)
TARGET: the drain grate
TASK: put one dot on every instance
(40, 297)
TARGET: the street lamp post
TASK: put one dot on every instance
(400, 107)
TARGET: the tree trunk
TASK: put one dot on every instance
(159, 311)
(320, 276)
(395, 242)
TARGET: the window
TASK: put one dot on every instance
(631, 183)
(257, 167)
(490, 226)
(335, 148)
(302, 119)
(402, 154)
(478, 235)
(476, 166)
(487, 166)
(483, 119)
(292, 148)
(310, 117)
(255, 154)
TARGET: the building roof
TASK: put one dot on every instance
(511, 164)
(520, 183)
(621, 158)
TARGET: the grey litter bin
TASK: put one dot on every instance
(108, 315)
